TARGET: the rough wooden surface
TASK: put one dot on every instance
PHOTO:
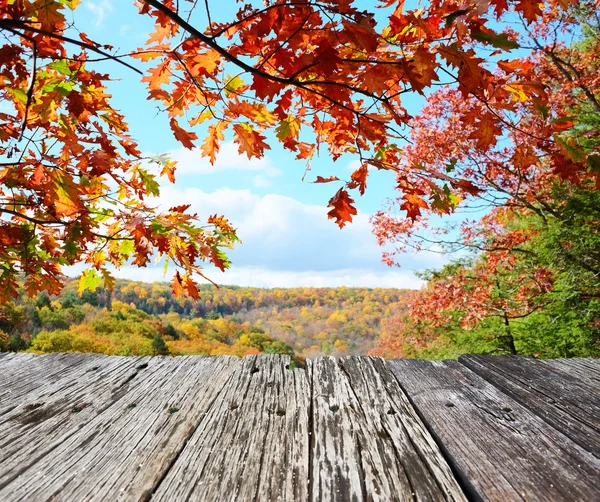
(556, 395)
(500, 449)
(91, 427)
(252, 444)
(368, 442)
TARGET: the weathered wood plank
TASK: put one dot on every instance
(30, 372)
(564, 401)
(369, 443)
(12, 365)
(123, 451)
(501, 450)
(587, 369)
(252, 443)
(34, 425)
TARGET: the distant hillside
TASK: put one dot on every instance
(140, 318)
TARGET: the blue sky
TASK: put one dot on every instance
(287, 239)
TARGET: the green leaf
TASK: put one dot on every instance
(158, 228)
(64, 88)
(89, 280)
(594, 163)
(499, 40)
(149, 182)
(450, 18)
(62, 67)
(575, 153)
(541, 109)
(126, 248)
(71, 249)
(18, 93)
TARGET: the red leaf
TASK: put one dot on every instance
(343, 210)
(180, 209)
(360, 177)
(467, 186)
(320, 179)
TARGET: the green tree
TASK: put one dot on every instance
(159, 346)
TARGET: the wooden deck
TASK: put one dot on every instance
(78, 427)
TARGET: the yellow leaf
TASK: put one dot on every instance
(233, 84)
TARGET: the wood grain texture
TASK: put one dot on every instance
(587, 370)
(87, 427)
(253, 443)
(137, 427)
(40, 374)
(556, 395)
(500, 450)
(35, 425)
(368, 442)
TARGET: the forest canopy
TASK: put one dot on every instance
(137, 318)
(317, 77)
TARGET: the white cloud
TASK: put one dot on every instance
(288, 243)
(262, 182)
(353, 165)
(265, 278)
(99, 9)
(282, 233)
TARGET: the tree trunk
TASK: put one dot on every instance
(510, 341)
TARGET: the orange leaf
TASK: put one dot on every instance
(360, 176)
(210, 147)
(38, 175)
(343, 210)
(183, 136)
(160, 33)
(177, 285)
(250, 141)
(412, 205)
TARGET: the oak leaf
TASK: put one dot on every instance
(342, 208)
(184, 137)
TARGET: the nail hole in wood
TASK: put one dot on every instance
(280, 413)
(131, 406)
(233, 406)
(391, 412)
(33, 406)
(383, 434)
(142, 366)
(334, 409)
(507, 409)
(173, 410)
(254, 370)
(449, 405)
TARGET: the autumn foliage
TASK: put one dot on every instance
(135, 317)
(530, 155)
(316, 76)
